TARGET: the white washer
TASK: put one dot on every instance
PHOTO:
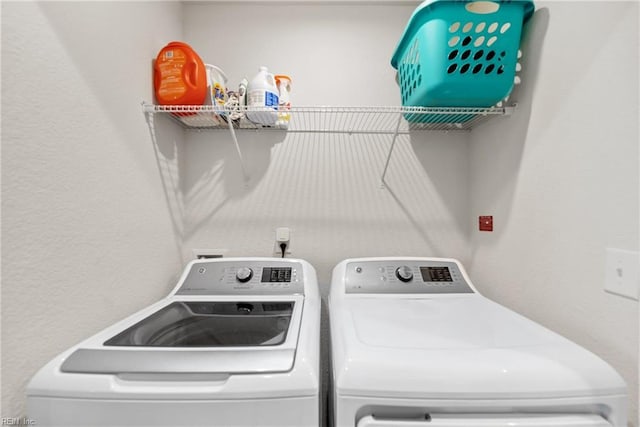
(236, 343)
(415, 345)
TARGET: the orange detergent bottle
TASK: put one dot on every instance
(179, 76)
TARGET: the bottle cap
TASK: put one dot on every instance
(279, 77)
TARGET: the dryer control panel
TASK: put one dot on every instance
(246, 278)
(405, 277)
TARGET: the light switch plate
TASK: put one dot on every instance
(622, 273)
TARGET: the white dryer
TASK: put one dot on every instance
(414, 344)
(236, 343)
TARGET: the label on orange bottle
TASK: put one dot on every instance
(172, 85)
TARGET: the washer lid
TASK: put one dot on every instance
(199, 337)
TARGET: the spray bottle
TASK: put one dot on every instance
(284, 103)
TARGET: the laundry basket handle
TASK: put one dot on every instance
(482, 7)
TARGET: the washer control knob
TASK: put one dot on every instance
(244, 274)
(404, 273)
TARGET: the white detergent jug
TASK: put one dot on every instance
(262, 99)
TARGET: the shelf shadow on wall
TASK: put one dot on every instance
(214, 176)
(166, 138)
(427, 181)
(417, 226)
(216, 173)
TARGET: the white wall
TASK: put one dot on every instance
(326, 188)
(561, 179)
(86, 233)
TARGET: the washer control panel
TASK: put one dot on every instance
(405, 277)
(248, 278)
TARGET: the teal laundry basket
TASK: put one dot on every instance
(457, 53)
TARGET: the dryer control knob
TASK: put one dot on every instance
(244, 274)
(404, 273)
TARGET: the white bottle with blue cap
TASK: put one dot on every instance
(262, 98)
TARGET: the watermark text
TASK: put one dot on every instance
(16, 421)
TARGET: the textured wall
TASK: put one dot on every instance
(86, 233)
(326, 188)
(561, 179)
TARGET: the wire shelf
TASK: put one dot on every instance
(331, 119)
(392, 121)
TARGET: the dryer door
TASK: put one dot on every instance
(484, 420)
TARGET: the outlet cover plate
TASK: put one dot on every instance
(622, 273)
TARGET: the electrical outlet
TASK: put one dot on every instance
(208, 253)
(622, 273)
(283, 235)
